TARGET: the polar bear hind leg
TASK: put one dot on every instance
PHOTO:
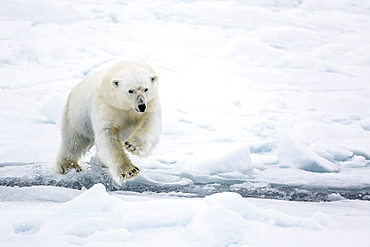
(70, 151)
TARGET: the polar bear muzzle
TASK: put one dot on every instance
(140, 106)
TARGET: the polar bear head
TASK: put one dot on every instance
(128, 85)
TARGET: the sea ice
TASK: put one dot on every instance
(233, 76)
(294, 154)
(217, 159)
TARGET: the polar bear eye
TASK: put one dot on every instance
(146, 90)
(130, 91)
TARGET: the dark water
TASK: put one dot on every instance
(96, 175)
(270, 191)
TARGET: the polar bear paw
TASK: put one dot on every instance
(130, 174)
(66, 166)
(130, 147)
(125, 174)
(134, 146)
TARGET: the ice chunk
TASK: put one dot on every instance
(335, 197)
(216, 158)
(357, 146)
(355, 162)
(94, 200)
(234, 202)
(331, 153)
(293, 154)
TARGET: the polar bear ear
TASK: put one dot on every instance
(115, 82)
(154, 77)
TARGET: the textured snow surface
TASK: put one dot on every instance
(65, 217)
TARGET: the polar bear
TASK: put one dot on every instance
(114, 108)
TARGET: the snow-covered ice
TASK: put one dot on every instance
(263, 99)
(65, 217)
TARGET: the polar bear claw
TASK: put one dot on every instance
(132, 148)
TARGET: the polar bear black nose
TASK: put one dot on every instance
(142, 108)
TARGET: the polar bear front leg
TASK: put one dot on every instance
(123, 172)
(111, 153)
(144, 136)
